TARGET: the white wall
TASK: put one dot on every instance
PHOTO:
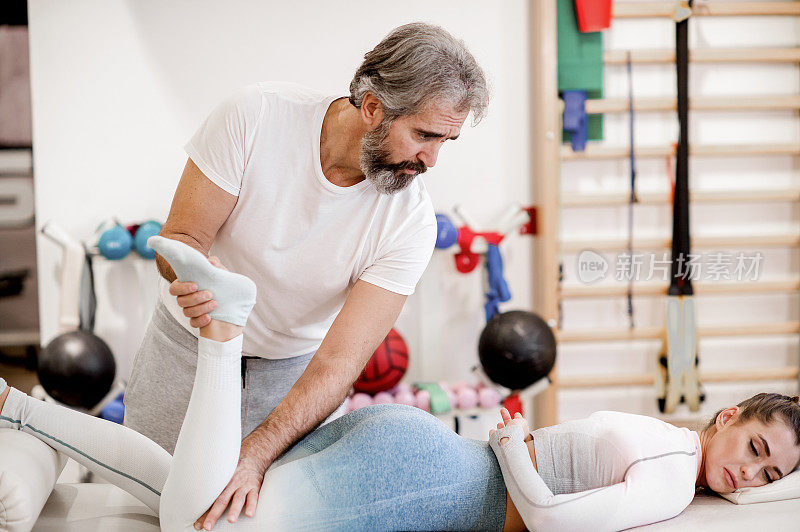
(119, 86)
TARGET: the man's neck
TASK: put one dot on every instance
(340, 144)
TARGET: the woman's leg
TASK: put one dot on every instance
(208, 445)
(205, 455)
(207, 449)
(118, 454)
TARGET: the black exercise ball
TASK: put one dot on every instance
(77, 368)
(516, 349)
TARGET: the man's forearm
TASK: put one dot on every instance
(361, 325)
(317, 393)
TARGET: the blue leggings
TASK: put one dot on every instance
(393, 467)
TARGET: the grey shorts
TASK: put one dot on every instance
(157, 394)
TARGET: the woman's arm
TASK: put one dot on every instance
(653, 490)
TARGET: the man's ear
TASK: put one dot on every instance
(371, 111)
(726, 416)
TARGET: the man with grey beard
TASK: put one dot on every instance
(315, 198)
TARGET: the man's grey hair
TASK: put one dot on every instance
(418, 64)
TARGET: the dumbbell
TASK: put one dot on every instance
(116, 242)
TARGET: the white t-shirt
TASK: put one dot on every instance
(302, 239)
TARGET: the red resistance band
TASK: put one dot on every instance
(466, 260)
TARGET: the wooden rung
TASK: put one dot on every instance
(604, 335)
(709, 55)
(763, 374)
(649, 288)
(706, 9)
(656, 333)
(698, 103)
(19, 337)
(722, 242)
(595, 152)
(662, 198)
(648, 379)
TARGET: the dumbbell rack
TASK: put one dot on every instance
(548, 154)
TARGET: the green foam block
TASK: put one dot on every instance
(440, 403)
(580, 63)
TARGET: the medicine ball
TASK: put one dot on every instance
(77, 368)
(386, 367)
(516, 349)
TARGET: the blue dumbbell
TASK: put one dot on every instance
(145, 231)
(115, 410)
(115, 243)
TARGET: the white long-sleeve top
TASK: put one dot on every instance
(609, 471)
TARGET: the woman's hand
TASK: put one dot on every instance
(508, 420)
(195, 304)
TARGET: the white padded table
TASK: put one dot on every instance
(713, 513)
(103, 507)
(94, 508)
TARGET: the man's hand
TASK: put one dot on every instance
(195, 304)
(241, 491)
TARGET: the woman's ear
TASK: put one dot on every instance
(726, 417)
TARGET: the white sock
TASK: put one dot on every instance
(234, 293)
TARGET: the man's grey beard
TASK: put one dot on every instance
(387, 177)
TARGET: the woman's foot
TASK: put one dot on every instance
(234, 293)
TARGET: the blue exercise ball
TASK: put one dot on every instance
(446, 232)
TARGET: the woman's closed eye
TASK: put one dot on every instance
(766, 476)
